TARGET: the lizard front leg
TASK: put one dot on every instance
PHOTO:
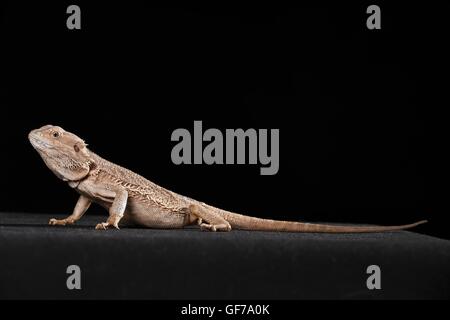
(116, 210)
(82, 205)
(214, 221)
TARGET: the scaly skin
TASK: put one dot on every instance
(132, 199)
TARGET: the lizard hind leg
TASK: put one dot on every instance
(208, 219)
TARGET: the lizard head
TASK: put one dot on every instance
(65, 154)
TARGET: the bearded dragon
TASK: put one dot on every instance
(134, 200)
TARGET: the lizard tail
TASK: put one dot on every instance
(242, 222)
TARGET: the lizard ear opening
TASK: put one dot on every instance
(79, 146)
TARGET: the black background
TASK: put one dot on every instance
(360, 111)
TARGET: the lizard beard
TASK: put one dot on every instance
(65, 168)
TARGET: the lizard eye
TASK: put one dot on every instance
(55, 134)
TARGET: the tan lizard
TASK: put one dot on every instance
(132, 199)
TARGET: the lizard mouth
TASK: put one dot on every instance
(37, 143)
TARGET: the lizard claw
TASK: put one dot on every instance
(101, 226)
(215, 227)
(105, 226)
(208, 227)
(56, 222)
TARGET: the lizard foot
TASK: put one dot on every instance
(62, 222)
(111, 223)
(215, 227)
(208, 219)
(105, 226)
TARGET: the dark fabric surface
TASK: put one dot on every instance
(136, 263)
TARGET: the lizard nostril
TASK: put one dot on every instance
(33, 134)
